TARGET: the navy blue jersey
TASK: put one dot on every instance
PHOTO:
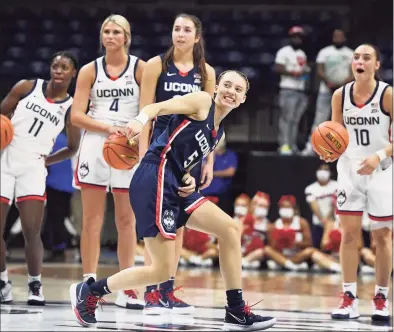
(171, 84)
(185, 142)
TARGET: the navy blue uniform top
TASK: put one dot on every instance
(171, 84)
(185, 142)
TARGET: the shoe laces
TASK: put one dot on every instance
(380, 301)
(92, 303)
(35, 287)
(153, 297)
(172, 297)
(346, 300)
(133, 293)
(247, 308)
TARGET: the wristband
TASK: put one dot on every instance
(381, 154)
(142, 117)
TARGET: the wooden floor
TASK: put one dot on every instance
(300, 301)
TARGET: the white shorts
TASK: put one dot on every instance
(359, 193)
(22, 177)
(93, 171)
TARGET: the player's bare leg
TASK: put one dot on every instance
(5, 284)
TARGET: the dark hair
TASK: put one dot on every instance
(240, 73)
(66, 54)
(198, 50)
(378, 58)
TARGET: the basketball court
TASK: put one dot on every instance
(300, 301)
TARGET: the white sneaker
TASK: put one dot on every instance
(308, 151)
(128, 299)
(348, 308)
(5, 292)
(380, 308)
(35, 296)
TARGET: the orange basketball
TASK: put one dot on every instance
(7, 131)
(119, 153)
(330, 139)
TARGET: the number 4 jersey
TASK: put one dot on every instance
(115, 100)
(368, 125)
(38, 121)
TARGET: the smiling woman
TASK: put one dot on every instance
(109, 88)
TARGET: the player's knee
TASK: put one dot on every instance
(349, 235)
(382, 237)
(124, 222)
(92, 224)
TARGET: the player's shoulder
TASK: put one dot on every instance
(154, 64)
(209, 68)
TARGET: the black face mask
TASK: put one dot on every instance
(295, 46)
(339, 45)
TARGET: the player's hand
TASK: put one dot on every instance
(368, 165)
(133, 129)
(190, 186)
(115, 130)
(328, 159)
(206, 175)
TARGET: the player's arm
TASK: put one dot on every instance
(388, 107)
(18, 92)
(336, 106)
(306, 235)
(73, 139)
(152, 71)
(79, 118)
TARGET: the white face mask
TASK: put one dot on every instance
(323, 175)
(286, 213)
(260, 212)
(240, 210)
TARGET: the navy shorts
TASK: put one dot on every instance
(155, 200)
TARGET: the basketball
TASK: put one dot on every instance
(119, 153)
(330, 139)
(7, 131)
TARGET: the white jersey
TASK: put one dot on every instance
(323, 195)
(38, 121)
(367, 125)
(115, 101)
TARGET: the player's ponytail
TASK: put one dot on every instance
(198, 50)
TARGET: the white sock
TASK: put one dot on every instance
(382, 290)
(335, 267)
(290, 265)
(33, 278)
(350, 287)
(86, 276)
(4, 276)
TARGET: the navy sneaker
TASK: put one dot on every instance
(179, 307)
(156, 303)
(242, 319)
(84, 302)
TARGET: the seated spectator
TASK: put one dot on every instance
(291, 236)
(224, 168)
(319, 196)
(241, 207)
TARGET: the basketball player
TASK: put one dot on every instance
(40, 111)
(109, 88)
(156, 197)
(182, 69)
(365, 178)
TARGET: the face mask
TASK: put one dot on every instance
(339, 45)
(323, 175)
(286, 213)
(240, 210)
(260, 212)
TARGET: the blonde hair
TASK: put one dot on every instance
(123, 23)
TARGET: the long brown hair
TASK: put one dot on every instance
(198, 50)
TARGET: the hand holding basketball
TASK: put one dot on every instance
(330, 140)
(120, 153)
(133, 129)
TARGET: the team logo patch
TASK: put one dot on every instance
(341, 197)
(168, 220)
(83, 169)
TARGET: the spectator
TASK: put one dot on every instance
(241, 207)
(334, 70)
(319, 196)
(224, 168)
(291, 64)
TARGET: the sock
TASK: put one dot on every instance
(290, 265)
(168, 285)
(100, 287)
(4, 276)
(234, 298)
(149, 289)
(335, 267)
(86, 276)
(33, 278)
(350, 287)
(382, 290)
